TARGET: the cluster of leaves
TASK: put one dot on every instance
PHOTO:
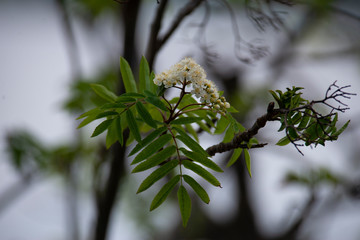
(171, 146)
(313, 178)
(303, 123)
(166, 131)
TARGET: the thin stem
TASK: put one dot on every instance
(190, 110)
(168, 103)
(182, 94)
(177, 151)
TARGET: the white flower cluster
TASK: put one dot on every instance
(188, 72)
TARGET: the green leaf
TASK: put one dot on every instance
(160, 90)
(156, 102)
(92, 112)
(148, 139)
(103, 92)
(337, 133)
(234, 157)
(133, 125)
(111, 136)
(200, 191)
(247, 161)
(283, 141)
(144, 75)
(157, 175)
(192, 144)
(292, 133)
(232, 110)
(200, 158)
(229, 134)
(102, 127)
(155, 160)
(153, 86)
(203, 126)
(113, 105)
(118, 130)
(106, 114)
(145, 115)
(125, 99)
(152, 148)
(275, 96)
(150, 93)
(192, 131)
(87, 120)
(201, 172)
(132, 95)
(221, 125)
(164, 192)
(305, 119)
(186, 120)
(127, 76)
(184, 204)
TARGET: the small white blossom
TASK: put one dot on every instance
(188, 72)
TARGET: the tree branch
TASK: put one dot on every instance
(153, 47)
(189, 8)
(238, 140)
(155, 42)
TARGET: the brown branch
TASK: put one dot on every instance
(73, 52)
(186, 10)
(153, 47)
(238, 140)
(155, 42)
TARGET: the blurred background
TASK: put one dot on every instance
(58, 183)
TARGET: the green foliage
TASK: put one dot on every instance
(127, 76)
(184, 204)
(198, 189)
(303, 123)
(161, 196)
(313, 178)
(166, 131)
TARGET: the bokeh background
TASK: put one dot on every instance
(52, 176)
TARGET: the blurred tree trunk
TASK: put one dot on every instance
(106, 200)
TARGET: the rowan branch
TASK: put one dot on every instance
(240, 138)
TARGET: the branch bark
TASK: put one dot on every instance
(247, 135)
